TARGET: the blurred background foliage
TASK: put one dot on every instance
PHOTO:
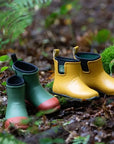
(17, 18)
(17, 15)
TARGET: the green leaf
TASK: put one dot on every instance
(41, 113)
(46, 141)
(4, 68)
(81, 140)
(4, 83)
(16, 15)
(100, 121)
(112, 39)
(63, 10)
(4, 58)
(26, 121)
(58, 140)
(102, 36)
(51, 141)
(9, 139)
(5, 41)
(67, 123)
(51, 19)
(49, 85)
(4, 91)
(38, 122)
(45, 54)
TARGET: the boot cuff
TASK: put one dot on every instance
(25, 67)
(62, 60)
(15, 81)
(87, 56)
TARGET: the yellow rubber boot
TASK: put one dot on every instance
(92, 72)
(67, 81)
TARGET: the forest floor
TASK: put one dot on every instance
(91, 121)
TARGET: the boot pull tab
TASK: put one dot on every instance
(55, 53)
(75, 50)
(13, 57)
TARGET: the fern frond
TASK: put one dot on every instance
(3, 3)
(16, 15)
(14, 21)
(32, 3)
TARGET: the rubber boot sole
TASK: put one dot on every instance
(17, 122)
(46, 106)
(75, 99)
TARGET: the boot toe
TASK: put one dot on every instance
(17, 122)
(89, 95)
(92, 95)
(52, 105)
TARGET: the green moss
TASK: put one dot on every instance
(100, 121)
(49, 86)
(62, 100)
(111, 66)
(107, 56)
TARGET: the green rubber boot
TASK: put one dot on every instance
(16, 110)
(35, 93)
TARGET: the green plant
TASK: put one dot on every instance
(49, 85)
(63, 100)
(81, 140)
(111, 67)
(63, 11)
(100, 121)
(4, 58)
(102, 36)
(9, 139)
(107, 56)
(2, 110)
(15, 16)
(3, 42)
(51, 141)
(3, 69)
(4, 83)
(99, 143)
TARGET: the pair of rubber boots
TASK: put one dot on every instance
(82, 77)
(25, 85)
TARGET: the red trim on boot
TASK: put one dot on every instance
(52, 103)
(16, 121)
